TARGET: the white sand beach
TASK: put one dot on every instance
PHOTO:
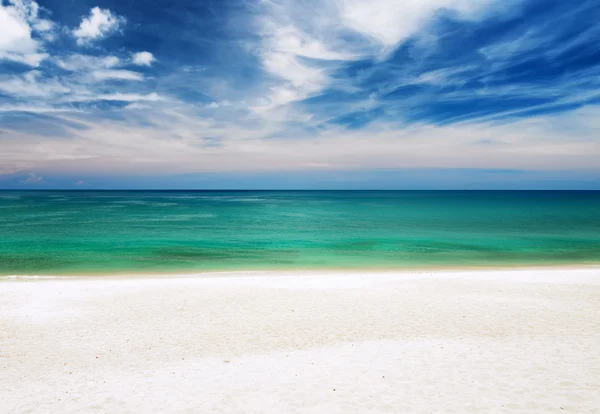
(308, 342)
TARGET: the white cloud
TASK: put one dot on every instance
(44, 25)
(32, 85)
(18, 20)
(46, 92)
(300, 79)
(444, 76)
(80, 182)
(390, 22)
(171, 142)
(77, 62)
(221, 104)
(47, 29)
(116, 74)
(143, 58)
(98, 24)
(30, 59)
(16, 33)
(39, 109)
(284, 50)
(301, 47)
(192, 69)
(123, 97)
(386, 21)
(289, 39)
(137, 106)
(33, 178)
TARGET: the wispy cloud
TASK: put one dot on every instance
(175, 142)
(102, 75)
(303, 49)
(33, 178)
(390, 22)
(32, 84)
(124, 97)
(79, 62)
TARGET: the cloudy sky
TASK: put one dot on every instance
(300, 94)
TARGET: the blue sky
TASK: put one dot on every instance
(300, 94)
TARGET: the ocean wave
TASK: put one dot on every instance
(133, 202)
(193, 216)
(237, 199)
(164, 204)
(50, 214)
(178, 217)
(194, 197)
(31, 277)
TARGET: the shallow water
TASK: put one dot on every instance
(85, 232)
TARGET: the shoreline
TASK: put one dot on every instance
(298, 272)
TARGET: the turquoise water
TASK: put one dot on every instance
(86, 232)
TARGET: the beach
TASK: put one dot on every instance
(520, 340)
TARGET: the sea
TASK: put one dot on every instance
(176, 232)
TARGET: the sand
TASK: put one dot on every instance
(311, 342)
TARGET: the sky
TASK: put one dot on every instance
(316, 94)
